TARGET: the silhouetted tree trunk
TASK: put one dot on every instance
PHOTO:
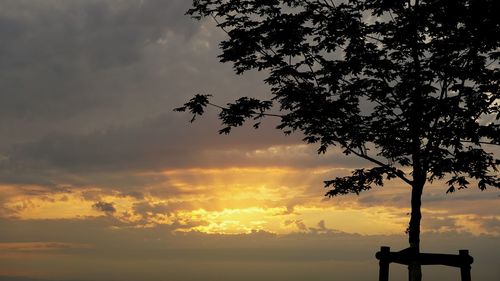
(414, 268)
(419, 171)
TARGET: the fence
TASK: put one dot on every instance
(463, 261)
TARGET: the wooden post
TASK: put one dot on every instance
(408, 256)
(465, 266)
(383, 273)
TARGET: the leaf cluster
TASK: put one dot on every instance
(411, 86)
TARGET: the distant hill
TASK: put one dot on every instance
(21, 278)
(18, 278)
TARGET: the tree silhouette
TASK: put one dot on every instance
(410, 85)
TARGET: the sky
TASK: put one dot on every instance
(101, 181)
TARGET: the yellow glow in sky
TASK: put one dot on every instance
(234, 201)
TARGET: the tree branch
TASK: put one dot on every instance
(398, 173)
(261, 114)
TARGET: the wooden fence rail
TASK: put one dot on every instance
(463, 261)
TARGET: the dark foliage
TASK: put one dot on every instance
(400, 83)
(413, 86)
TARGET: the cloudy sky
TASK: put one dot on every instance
(101, 180)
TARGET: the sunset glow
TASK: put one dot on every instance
(100, 180)
(235, 201)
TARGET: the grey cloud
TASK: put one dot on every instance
(63, 64)
(145, 207)
(438, 224)
(492, 224)
(88, 87)
(55, 180)
(134, 194)
(300, 225)
(161, 142)
(99, 34)
(113, 119)
(160, 252)
(91, 195)
(104, 207)
(322, 229)
(148, 209)
(434, 197)
(164, 142)
(383, 199)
